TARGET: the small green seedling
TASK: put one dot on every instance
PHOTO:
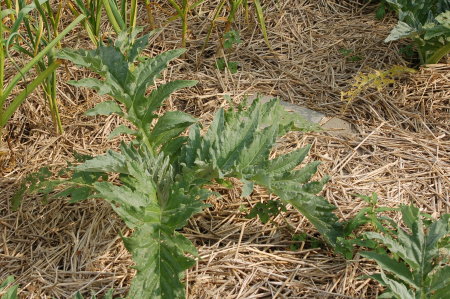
(231, 38)
(310, 242)
(349, 54)
(266, 210)
(369, 217)
(222, 64)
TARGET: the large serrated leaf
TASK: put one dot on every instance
(146, 72)
(161, 258)
(258, 150)
(396, 247)
(110, 162)
(144, 107)
(238, 144)
(92, 59)
(419, 266)
(156, 194)
(397, 289)
(391, 265)
(317, 210)
(287, 162)
(170, 125)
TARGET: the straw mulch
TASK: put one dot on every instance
(401, 151)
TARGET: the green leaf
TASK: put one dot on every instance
(380, 13)
(233, 66)
(93, 60)
(420, 265)
(11, 293)
(133, 206)
(160, 257)
(103, 87)
(410, 216)
(391, 265)
(172, 148)
(396, 288)
(146, 72)
(262, 23)
(231, 38)
(115, 62)
(266, 210)
(170, 125)
(110, 162)
(284, 163)
(105, 108)
(220, 64)
(440, 280)
(238, 144)
(397, 248)
(138, 46)
(247, 188)
(76, 193)
(258, 150)
(317, 210)
(158, 177)
(144, 107)
(122, 129)
(401, 30)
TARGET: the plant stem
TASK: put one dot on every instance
(2, 64)
(151, 18)
(184, 24)
(438, 54)
(111, 16)
(133, 14)
(8, 112)
(37, 58)
(2, 76)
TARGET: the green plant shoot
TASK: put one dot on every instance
(163, 175)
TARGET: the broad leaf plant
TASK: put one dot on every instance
(163, 173)
(427, 23)
(417, 265)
